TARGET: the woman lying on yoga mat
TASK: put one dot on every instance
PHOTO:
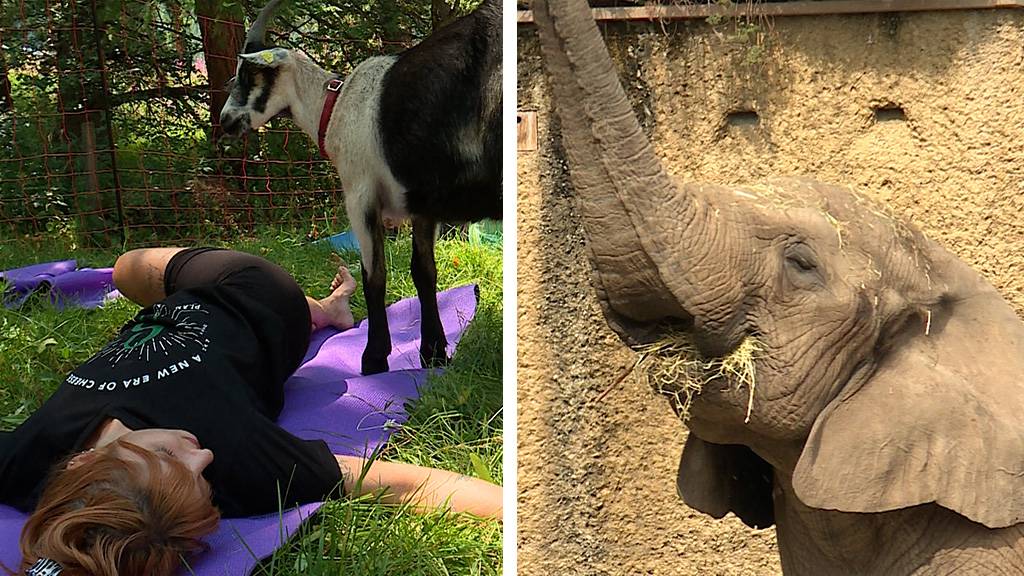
(127, 464)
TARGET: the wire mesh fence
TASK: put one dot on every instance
(108, 115)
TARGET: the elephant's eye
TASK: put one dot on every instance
(801, 262)
(802, 265)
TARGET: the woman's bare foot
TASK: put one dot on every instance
(343, 279)
(334, 310)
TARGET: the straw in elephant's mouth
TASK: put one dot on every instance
(674, 367)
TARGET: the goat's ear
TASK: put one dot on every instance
(269, 58)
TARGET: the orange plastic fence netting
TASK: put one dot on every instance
(108, 117)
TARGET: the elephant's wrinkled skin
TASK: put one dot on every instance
(887, 426)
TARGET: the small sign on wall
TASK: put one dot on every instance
(526, 131)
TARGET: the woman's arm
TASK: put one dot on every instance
(425, 488)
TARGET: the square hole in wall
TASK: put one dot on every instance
(889, 113)
(742, 118)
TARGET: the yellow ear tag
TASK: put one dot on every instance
(267, 57)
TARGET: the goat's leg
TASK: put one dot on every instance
(424, 276)
(375, 276)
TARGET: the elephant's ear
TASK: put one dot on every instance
(941, 420)
(721, 478)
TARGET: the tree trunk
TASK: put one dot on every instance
(81, 105)
(71, 82)
(6, 100)
(221, 25)
(223, 31)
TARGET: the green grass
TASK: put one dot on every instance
(456, 425)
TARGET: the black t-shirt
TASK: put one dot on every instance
(210, 359)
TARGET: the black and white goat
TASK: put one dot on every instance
(416, 135)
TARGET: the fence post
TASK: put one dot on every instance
(98, 39)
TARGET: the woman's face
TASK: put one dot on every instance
(171, 444)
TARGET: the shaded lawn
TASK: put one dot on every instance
(456, 425)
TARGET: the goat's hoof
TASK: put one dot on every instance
(434, 359)
(374, 365)
(439, 362)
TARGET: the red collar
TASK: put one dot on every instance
(333, 89)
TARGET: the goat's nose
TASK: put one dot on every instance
(231, 125)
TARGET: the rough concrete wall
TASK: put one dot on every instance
(597, 455)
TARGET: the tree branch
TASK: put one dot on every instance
(175, 92)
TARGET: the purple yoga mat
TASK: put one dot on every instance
(85, 288)
(326, 398)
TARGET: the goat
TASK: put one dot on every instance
(416, 135)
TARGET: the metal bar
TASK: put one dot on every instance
(800, 8)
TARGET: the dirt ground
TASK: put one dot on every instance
(923, 111)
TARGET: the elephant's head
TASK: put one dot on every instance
(885, 372)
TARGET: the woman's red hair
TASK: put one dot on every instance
(114, 516)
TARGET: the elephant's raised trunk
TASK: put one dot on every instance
(631, 210)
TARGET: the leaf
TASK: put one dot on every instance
(480, 468)
(44, 343)
(14, 419)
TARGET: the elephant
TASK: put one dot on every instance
(878, 423)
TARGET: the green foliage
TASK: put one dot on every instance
(741, 29)
(110, 129)
(365, 538)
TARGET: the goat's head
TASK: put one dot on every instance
(255, 95)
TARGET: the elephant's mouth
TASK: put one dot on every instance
(635, 333)
(678, 366)
(675, 368)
